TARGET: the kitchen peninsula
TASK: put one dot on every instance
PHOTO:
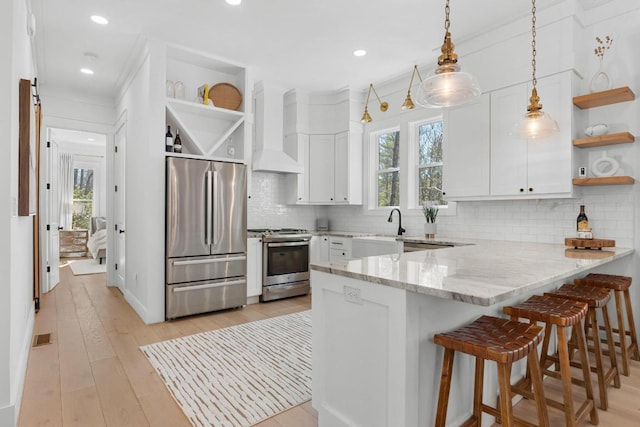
(374, 361)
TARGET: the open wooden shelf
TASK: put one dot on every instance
(604, 180)
(607, 97)
(599, 141)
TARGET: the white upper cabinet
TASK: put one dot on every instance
(466, 150)
(348, 168)
(532, 168)
(321, 135)
(207, 130)
(321, 168)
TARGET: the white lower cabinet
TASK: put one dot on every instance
(339, 248)
(254, 266)
(319, 249)
(540, 167)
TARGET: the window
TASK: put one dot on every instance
(82, 207)
(429, 146)
(388, 170)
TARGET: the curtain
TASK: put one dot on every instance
(66, 190)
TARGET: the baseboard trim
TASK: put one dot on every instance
(9, 414)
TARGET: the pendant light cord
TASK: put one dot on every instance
(447, 22)
(533, 43)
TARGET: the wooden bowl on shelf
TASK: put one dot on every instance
(225, 95)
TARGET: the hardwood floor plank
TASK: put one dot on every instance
(75, 371)
(161, 411)
(117, 399)
(81, 408)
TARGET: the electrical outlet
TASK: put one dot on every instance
(231, 150)
(352, 295)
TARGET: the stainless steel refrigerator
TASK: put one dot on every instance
(206, 240)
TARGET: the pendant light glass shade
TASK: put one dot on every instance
(447, 86)
(536, 123)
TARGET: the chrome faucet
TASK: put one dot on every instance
(400, 229)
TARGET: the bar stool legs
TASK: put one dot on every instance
(503, 341)
(620, 286)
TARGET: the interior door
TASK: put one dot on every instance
(119, 206)
(51, 232)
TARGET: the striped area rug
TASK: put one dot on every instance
(241, 375)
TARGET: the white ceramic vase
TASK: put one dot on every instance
(430, 230)
(600, 80)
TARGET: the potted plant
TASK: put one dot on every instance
(430, 212)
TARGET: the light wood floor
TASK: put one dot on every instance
(93, 374)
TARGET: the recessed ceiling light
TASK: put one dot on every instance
(359, 52)
(86, 71)
(233, 2)
(99, 19)
(91, 139)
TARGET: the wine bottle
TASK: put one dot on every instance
(177, 143)
(168, 140)
(582, 222)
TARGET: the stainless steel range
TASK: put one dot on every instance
(285, 263)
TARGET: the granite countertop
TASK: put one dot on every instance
(482, 272)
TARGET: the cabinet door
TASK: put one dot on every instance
(549, 159)
(321, 168)
(466, 150)
(323, 249)
(508, 152)
(341, 165)
(254, 266)
(297, 146)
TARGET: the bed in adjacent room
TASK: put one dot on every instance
(97, 243)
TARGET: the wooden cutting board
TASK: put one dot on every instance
(589, 243)
(587, 254)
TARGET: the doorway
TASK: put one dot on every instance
(73, 197)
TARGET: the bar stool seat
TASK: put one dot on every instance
(597, 299)
(503, 341)
(563, 314)
(619, 286)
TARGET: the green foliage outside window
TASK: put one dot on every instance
(388, 169)
(430, 163)
(82, 207)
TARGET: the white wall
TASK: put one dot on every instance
(16, 233)
(142, 102)
(268, 208)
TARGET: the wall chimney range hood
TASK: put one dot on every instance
(268, 153)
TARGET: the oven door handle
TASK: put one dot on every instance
(283, 244)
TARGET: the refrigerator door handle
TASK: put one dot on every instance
(209, 260)
(209, 285)
(208, 209)
(216, 204)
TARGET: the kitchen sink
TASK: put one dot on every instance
(423, 246)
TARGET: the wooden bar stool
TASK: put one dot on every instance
(596, 298)
(563, 314)
(619, 285)
(503, 341)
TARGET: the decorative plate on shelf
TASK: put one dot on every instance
(225, 95)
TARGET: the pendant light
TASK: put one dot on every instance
(447, 86)
(366, 117)
(408, 102)
(535, 123)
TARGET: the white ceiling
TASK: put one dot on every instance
(295, 43)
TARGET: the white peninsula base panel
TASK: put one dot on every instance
(374, 360)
